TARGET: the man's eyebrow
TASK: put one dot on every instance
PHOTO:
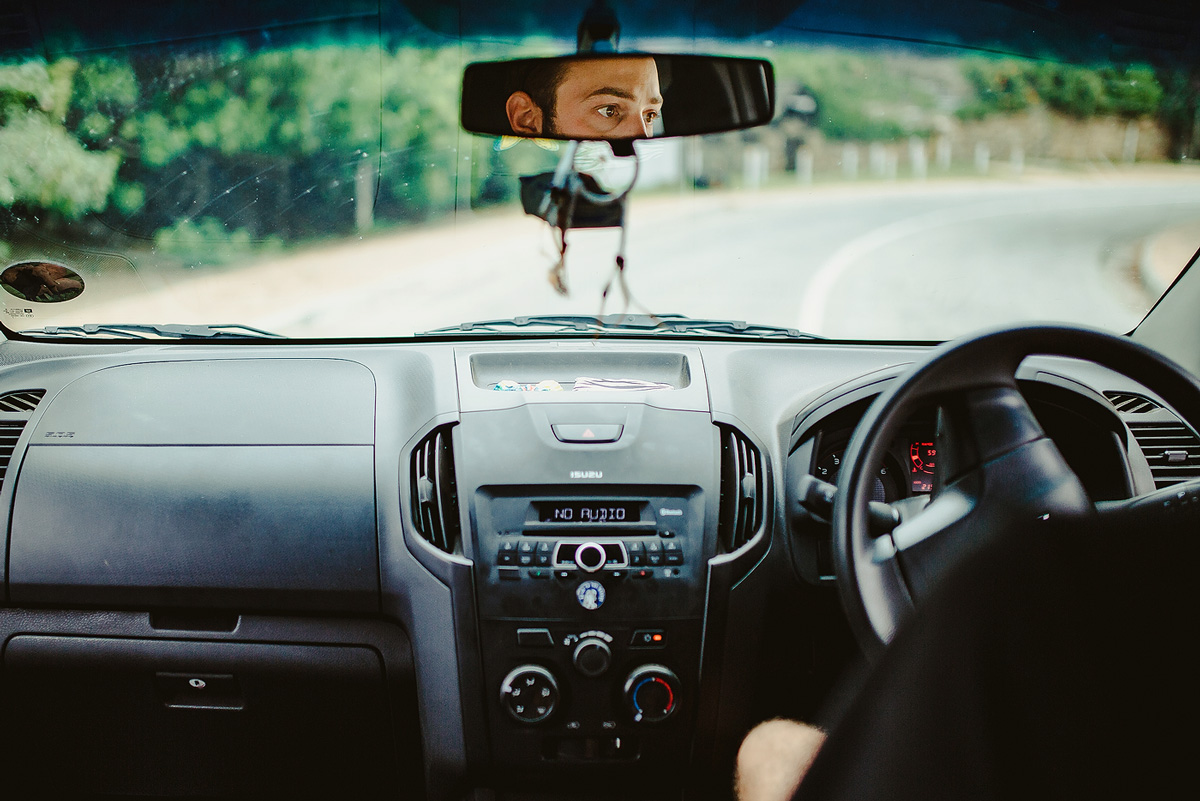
(624, 94)
(615, 91)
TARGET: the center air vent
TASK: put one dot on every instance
(434, 493)
(743, 489)
(1131, 402)
(1171, 449)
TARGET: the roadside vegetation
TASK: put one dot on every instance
(219, 155)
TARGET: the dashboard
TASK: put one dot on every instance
(356, 568)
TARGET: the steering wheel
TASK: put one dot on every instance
(999, 474)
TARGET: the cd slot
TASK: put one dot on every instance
(590, 530)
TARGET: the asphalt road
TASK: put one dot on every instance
(900, 262)
(887, 261)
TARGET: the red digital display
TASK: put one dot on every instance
(922, 465)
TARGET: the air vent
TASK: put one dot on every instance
(743, 489)
(10, 432)
(1171, 449)
(434, 493)
(22, 400)
(1131, 402)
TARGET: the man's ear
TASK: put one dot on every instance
(524, 115)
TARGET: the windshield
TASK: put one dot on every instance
(307, 175)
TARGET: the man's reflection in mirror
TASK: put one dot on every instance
(591, 98)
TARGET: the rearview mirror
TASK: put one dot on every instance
(617, 96)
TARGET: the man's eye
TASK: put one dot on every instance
(652, 115)
(608, 112)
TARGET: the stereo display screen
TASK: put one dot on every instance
(589, 511)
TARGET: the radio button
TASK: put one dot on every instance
(525, 560)
(525, 547)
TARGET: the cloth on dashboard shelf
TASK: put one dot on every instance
(1052, 665)
(617, 384)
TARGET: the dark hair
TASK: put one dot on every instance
(540, 79)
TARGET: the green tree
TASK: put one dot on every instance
(1133, 92)
(43, 166)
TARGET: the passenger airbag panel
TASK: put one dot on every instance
(272, 528)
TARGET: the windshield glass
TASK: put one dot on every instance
(306, 174)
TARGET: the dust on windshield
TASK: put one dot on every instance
(322, 187)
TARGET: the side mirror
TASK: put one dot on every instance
(617, 97)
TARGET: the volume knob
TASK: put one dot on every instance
(590, 557)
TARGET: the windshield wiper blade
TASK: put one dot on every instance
(154, 331)
(648, 323)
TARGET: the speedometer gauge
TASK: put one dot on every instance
(922, 457)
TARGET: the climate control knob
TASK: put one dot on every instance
(529, 693)
(592, 657)
(651, 693)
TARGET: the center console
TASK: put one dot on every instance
(591, 527)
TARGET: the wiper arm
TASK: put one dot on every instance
(154, 331)
(649, 323)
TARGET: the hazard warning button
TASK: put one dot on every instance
(605, 432)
